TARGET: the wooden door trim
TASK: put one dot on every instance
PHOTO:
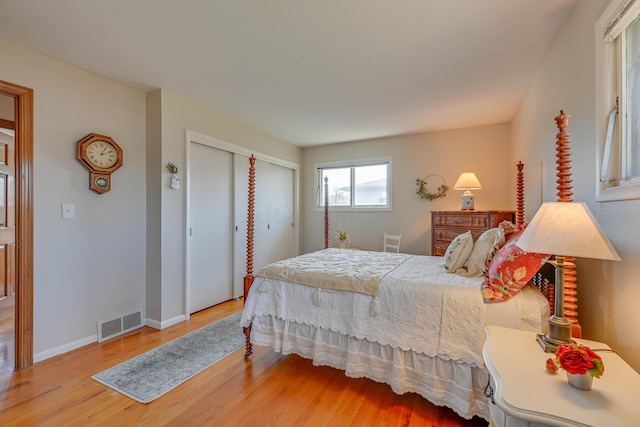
(23, 111)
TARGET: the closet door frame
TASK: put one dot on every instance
(199, 138)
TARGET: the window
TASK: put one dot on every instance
(355, 185)
(618, 101)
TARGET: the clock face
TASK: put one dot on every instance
(102, 154)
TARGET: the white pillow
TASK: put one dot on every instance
(483, 251)
(458, 251)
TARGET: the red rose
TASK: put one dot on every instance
(579, 359)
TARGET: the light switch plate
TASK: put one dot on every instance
(68, 210)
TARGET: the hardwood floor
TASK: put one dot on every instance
(266, 390)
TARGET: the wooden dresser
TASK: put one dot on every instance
(446, 225)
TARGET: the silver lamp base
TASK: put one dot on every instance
(559, 333)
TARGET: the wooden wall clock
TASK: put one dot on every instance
(101, 155)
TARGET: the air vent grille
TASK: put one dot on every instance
(114, 327)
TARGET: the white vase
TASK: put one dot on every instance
(580, 381)
(344, 244)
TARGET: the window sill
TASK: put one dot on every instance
(612, 194)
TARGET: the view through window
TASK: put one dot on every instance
(355, 185)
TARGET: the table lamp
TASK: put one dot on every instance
(467, 181)
(564, 229)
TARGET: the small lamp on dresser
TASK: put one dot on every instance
(569, 229)
(467, 181)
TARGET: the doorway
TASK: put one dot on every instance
(22, 229)
(7, 233)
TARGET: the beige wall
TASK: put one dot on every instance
(483, 150)
(6, 107)
(91, 267)
(608, 292)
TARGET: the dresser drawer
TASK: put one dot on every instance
(462, 221)
(439, 248)
(446, 234)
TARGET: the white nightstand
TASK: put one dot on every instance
(525, 394)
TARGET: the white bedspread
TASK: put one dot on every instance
(354, 271)
(419, 307)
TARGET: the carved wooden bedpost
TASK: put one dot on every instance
(248, 279)
(326, 212)
(565, 193)
(520, 195)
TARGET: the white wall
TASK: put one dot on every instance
(93, 266)
(608, 292)
(484, 150)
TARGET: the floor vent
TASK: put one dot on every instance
(113, 327)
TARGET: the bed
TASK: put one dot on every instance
(393, 318)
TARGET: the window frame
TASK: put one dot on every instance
(610, 88)
(319, 186)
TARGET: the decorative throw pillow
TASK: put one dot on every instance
(483, 250)
(510, 270)
(509, 228)
(458, 251)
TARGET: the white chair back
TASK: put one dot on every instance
(392, 242)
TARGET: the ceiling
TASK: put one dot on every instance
(309, 72)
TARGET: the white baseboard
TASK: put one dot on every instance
(166, 323)
(47, 354)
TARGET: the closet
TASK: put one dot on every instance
(217, 218)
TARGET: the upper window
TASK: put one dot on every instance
(354, 185)
(618, 98)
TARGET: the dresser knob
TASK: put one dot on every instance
(457, 221)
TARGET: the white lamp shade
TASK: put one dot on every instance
(467, 181)
(567, 229)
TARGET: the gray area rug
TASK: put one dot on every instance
(154, 373)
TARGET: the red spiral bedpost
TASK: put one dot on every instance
(326, 212)
(520, 195)
(248, 279)
(565, 193)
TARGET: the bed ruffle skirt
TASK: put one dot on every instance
(447, 383)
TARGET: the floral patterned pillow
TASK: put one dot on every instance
(458, 251)
(510, 269)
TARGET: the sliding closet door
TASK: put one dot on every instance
(273, 216)
(280, 224)
(211, 237)
(241, 173)
(263, 240)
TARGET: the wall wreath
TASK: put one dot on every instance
(423, 188)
